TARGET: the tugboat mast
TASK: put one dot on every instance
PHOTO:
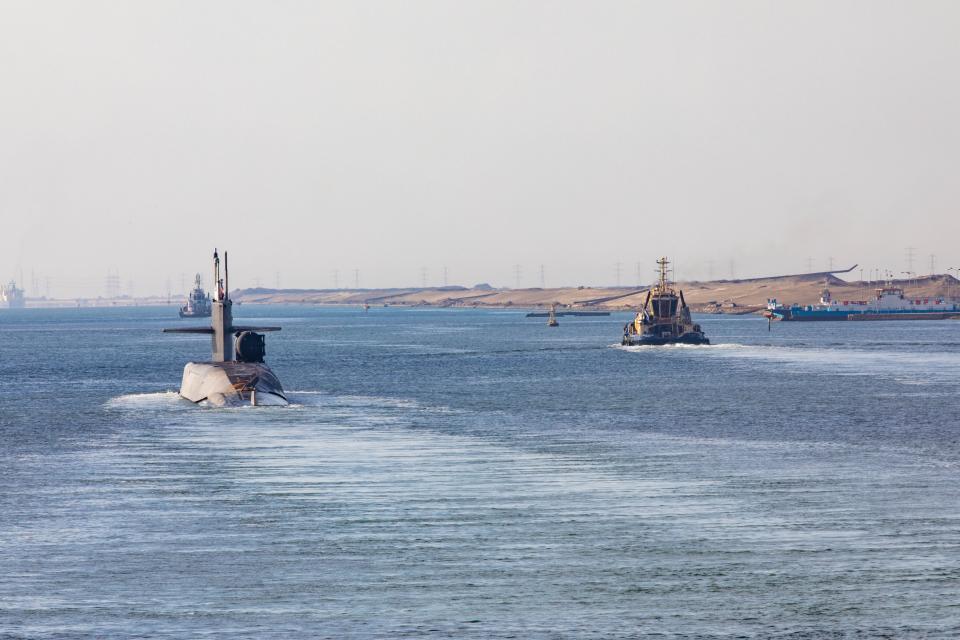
(662, 263)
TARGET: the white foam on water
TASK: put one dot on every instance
(325, 399)
(299, 399)
(916, 368)
(857, 361)
(643, 348)
(158, 399)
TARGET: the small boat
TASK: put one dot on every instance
(198, 302)
(552, 318)
(664, 317)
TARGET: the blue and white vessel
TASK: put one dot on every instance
(889, 303)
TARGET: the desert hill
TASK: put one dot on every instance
(717, 296)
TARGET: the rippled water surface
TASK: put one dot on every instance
(453, 473)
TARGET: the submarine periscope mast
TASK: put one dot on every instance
(236, 373)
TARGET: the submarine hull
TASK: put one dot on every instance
(232, 384)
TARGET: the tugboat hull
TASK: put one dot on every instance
(194, 314)
(232, 384)
(656, 341)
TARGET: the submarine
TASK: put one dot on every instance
(236, 374)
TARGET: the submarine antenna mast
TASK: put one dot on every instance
(221, 318)
(216, 276)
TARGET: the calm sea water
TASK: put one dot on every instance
(474, 474)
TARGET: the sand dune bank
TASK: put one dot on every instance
(718, 296)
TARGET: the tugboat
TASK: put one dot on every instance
(198, 302)
(236, 374)
(664, 317)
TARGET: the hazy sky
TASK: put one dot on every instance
(389, 136)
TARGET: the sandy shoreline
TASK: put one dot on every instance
(720, 296)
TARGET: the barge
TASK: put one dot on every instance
(888, 303)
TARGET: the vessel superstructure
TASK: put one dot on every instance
(664, 317)
(198, 301)
(12, 297)
(236, 373)
(888, 303)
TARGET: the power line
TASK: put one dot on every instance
(910, 251)
(113, 283)
(543, 279)
(516, 275)
(617, 265)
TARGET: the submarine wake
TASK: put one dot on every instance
(157, 399)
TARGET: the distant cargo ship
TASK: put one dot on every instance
(889, 303)
(198, 302)
(12, 297)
